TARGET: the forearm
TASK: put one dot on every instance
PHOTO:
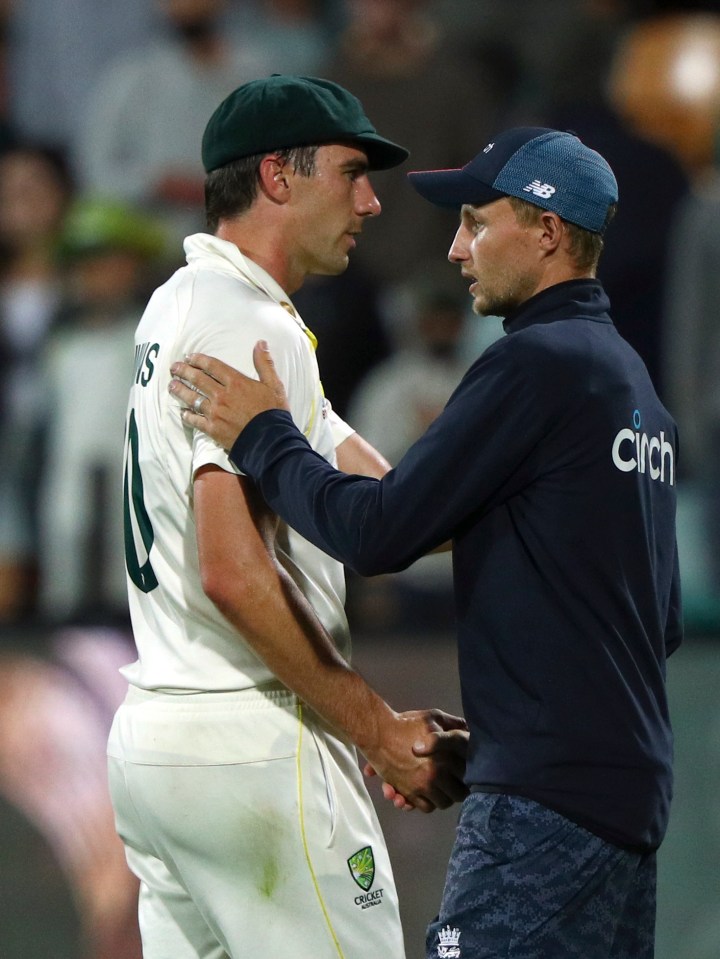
(275, 619)
(371, 527)
(279, 624)
(356, 455)
(243, 577)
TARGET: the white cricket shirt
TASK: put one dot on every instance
(219, 304)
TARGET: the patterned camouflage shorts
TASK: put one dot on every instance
(525, 883)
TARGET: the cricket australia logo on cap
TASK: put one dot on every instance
(448, 943)
(537, 188)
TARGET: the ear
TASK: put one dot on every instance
(552, 231)
(275, 178)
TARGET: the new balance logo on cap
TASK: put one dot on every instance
(539, 189)
(551, 169)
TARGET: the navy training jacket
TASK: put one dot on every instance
(553, 470)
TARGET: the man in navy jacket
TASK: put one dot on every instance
(552, 470)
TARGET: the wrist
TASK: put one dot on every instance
(372, 728)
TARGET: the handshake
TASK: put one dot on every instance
(421, 759)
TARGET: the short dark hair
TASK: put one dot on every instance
(231, 189)
(585, 246)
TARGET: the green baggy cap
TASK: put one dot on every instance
(281, 112)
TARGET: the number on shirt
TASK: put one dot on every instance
(142, 575)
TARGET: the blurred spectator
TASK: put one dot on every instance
(393, 406)
(35, 188)
(141, 134)
(397, 401)
(8, 133)
(344, 314)
(56, 52)
(394, 57)
(532, 45)
(693, 355)
(107, 250)
(665, 82)
(56, 706)
(292, 36)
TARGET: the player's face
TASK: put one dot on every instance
(331, 206)
(499, 255)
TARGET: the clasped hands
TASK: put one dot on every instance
(421, 758)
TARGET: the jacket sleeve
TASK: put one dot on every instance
(471, 455)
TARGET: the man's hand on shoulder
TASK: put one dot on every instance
(219, 400)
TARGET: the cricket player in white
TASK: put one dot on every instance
(232, 763)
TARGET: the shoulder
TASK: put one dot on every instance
(223, 293)
(562, 359)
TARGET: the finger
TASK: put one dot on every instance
(186, 394)
(424, 804)
(200, 381)
(447, 720)
(194, 420)
(453, 742)
(446, 791)
(211, 366)
(369, 771)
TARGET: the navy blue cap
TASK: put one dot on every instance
(549, 168)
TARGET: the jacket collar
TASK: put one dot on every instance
(574, 299)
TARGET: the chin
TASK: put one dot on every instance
(333, 269)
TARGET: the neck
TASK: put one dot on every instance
(256, 239)
(561, 272)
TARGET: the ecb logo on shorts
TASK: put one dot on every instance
(362, 867)
(449, 943)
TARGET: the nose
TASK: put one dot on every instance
(458, 248)
(366, 203)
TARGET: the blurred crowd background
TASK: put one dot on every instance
(102, 108)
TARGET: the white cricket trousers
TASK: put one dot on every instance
(250, 828)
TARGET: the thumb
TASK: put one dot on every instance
(265, 367)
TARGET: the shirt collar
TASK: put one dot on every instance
(222, 253)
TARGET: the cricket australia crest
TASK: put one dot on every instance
(362, 867)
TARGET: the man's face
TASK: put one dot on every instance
(329, 209)
(499, 255)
